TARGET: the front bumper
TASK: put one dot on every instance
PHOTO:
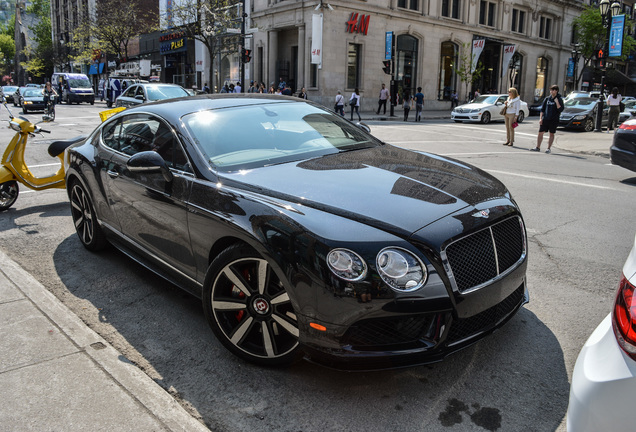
(476, 117)
(623, 158)
(603, 385)
(81, 97)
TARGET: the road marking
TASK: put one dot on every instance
(548, 179)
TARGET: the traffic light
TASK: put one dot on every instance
(387, 66)
(601, 54)
(247, 55)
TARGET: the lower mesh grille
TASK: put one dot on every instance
(392, 331)
(464, 328)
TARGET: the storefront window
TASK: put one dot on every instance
(514, 70)
(447, 78)
(353, 66)
(406, 63)
(542, 75)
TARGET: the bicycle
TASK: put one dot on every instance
(49, 109)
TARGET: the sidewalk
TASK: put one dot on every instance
(56, 374)
(591, 143)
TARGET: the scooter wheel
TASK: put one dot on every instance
(8, 194)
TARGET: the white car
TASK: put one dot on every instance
(603, 386)
(486, 108)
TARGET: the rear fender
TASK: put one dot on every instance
(6, 174)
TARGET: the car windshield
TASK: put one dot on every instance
(29, 92)
(164, 92)
(584, 103)
(79, 83)
(486, 99)
(9, 88)
(254, 136)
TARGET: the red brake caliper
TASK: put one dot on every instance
(236, 292)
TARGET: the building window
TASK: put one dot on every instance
(447, 78)
(450, 8)
(487, 13)
(545, 28)
(542, 76)
(518, 21)
(406, 67)
(313, 75)
(353, 66)
(409, 4)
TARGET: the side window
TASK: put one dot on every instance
(140, 91)
(110, 135)
(136, 135)
(169, 147)
(130, 92)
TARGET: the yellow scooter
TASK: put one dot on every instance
(14, 170)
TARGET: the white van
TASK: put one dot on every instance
(74, 87)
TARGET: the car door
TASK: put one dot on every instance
(151, 210)
(499, 104)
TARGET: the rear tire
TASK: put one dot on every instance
(520, 117)
(85, 219)
(8, 194)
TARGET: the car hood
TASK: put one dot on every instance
(575, 111)
(470, 106)
(387, 187)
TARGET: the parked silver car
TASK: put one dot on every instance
(148, 92)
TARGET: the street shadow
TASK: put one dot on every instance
(495, 385)
(9, 216)
(629, 181)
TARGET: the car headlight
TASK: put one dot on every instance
(400, 269)
(347, 265)
(580, 117)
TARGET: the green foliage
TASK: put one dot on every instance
(463, 71)
(40, 52)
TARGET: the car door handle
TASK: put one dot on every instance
(112, 174)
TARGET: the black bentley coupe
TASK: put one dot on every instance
(304, 235)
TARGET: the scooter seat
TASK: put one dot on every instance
(58, 147)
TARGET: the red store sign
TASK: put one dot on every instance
(358, 26)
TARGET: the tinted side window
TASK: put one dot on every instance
(110, 135)
(130, 92)
(169, 147)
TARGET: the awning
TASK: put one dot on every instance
(93, 69)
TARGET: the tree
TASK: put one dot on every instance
(7, 47)
(592, 37)
(40, 52)
(208, 21)
(464, 69)
(114, 24)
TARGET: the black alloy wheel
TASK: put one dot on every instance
(85, 220)
(588, 125)
(485, 118)
(8, 194)
(248, 308)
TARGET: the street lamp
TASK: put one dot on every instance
(607, 12)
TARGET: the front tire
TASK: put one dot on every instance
(85, 219)
(485, 118)
(8, 194)
(24, 110)
(589, 125)
(248, 308)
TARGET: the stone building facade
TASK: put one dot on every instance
(432, 39)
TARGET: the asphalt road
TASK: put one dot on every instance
(579, 213)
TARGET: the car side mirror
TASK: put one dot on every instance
(149, 162)
(365, 127)
(140, 97)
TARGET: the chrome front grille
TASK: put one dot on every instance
(486, 255)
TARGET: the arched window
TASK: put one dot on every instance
(514, 71)
(447, 81)
(540, 87)
(406, 62)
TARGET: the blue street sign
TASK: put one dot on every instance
(388, 46)
(570, 67)
(616, 36)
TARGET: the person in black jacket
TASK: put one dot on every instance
(549, 117)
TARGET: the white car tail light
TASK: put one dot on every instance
(624, 317)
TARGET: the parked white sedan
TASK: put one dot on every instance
(486, 108)
(603, 386)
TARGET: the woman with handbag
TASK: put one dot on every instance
(511, 107)
(354, 101)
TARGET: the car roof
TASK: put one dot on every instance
(174, 109)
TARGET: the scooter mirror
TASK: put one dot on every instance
(47, 118)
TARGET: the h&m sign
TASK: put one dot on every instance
(355, 25)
